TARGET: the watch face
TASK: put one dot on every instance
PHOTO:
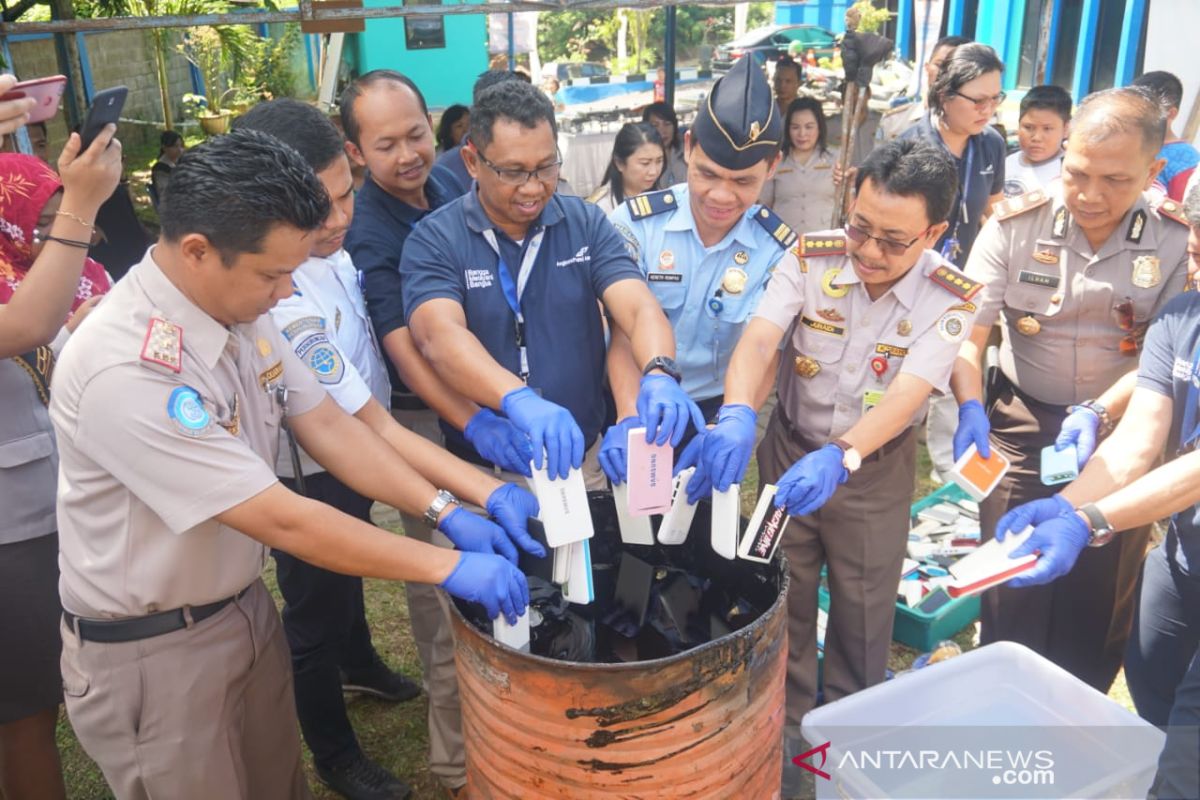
(1101, 537)
(851, 460)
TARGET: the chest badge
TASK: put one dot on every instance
(666, 260)
(827, 284)
(741, 258)
(831, 314)
(1146, 272)
(735, 280)
(264, 347)
(879, 365)
(1029, 325)
(1045, 257)
(235, 418)
(806, 367)
(904, 327)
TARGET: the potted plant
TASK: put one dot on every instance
(215, 52)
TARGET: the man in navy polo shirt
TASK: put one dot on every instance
(503, 288)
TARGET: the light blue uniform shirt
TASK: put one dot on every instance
(693, 283)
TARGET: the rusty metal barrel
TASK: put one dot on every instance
(703, 723)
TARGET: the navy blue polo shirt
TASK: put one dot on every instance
(375, 240)
(581, 255)
(1166, 367)
(988, 153)
(452, 170)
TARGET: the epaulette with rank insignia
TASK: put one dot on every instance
(955, 282)
(822, 245)
(1172, 210)
(780, 231)
(163, 345)
(647, 205)
(1012, 206)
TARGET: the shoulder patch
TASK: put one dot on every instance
(163, 345)
(1172, 211)
(955, 282)
(831, 245)
(1015, 206)
(319, 354)
(647, 205)
(780, 231)
(187, 412)
(299, 326)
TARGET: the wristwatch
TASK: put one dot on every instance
(440, 501)
(1097, 408)
(666, 364)
(851, 459)
(1100, 531)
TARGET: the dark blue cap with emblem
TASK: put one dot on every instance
(739, 124)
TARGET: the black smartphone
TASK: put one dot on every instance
(106, 107)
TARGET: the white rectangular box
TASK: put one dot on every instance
(564, 507)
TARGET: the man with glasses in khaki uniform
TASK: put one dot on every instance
(1074, 275)
(870, 319)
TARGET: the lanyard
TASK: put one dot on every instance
(950, 246)
(1190, 428)
(513, 294)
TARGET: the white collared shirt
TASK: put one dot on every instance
(326, 324)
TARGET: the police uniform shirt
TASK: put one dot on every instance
(580, 256)
(325, 322)
(802, 194)
(165, 418)
(844, 350)
(707, 293)
(1042, 277)
(1168, 367)
(28, 458)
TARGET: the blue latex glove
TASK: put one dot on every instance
(1079, 429)
(728, 446)
(551, 430)
(973, 426)
(499, 441)
(492, 581)
(614, 455)
(1059, 538)
(811, 481)
(700, 484)
(664, 408)
(472, 533)
(511, 507)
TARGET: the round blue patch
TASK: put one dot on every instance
(187, 411)
(326, 363)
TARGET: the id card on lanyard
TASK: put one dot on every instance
(951, 249)
(513, 293)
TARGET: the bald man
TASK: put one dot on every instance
(1073, 275)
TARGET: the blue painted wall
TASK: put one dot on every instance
(445, 75)
(829, 14)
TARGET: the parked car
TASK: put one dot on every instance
(768, 44)
(573, 70)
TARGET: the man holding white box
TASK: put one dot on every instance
(870, 318)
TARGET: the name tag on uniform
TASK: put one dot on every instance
(1038, 279)
(664, 277)
(871, 398)
(822, 327)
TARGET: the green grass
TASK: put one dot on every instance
(395, 735)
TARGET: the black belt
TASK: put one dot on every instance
(893, 444)
(134, 628)
(407, 402)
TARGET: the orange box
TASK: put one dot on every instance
(976, 475)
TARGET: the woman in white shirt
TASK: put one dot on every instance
(634, 168)
(801, 190)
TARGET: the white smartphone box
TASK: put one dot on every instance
(579, 588)
(678, 521)
(564, 507)
(647, 474)
(990, 565)
(562, 563)
(765, 531)
(515, 636)
(726, 520)
(634, 530)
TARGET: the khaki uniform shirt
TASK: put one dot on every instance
(802, 193)
(1060, 304)
(843, 349)
(165, 418)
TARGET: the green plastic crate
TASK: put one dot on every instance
(918, 629)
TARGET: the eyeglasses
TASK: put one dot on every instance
(889, 246)
(519, 177)
(983, 103)
(1131, 342)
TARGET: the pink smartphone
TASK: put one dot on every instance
(47, 92)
